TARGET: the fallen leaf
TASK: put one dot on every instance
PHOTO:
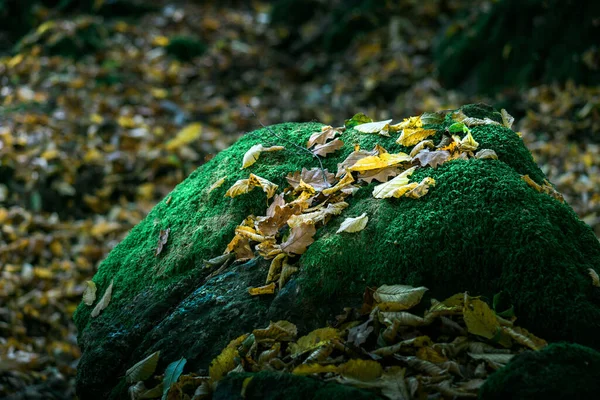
(269, 226)
(461, 117)
(595, 277)
(163, 237)
(363, 370)
(531, 183)
(507, 119)
(267, 186)
(486, 153)
(286, 272)
(313, 177)
(244, 186)
(144, 369)
(217, 184)
(458, 127)
(468, 143)
(254, 152)
(267, 289)
(300, 238)
(432, 158)
(328, 148)
(380, 175)
(431, 118)
(313, 340)
(421, 189)
(374, 127)
(398, 297)
(326, 133)
(103, 303)
(275, 267)
(395, 187)
(378, 162)
(357, 119)
(318, 215)
(89, 295)
(185, 136)
(479, 318)
(225, 362)
(412, 136)
(345, 181)
(352, 225)
(420, 146)
(309, 369)
(240, 246)
(281, 331)
(524, 337)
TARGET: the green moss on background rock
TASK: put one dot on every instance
(520, 43)
(267, 385)
(185, 48)
(480, 229)
(560, 371)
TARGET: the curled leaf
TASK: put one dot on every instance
(432, 158)
(253, 154)
(486, 153)
(103, 303)
(163, 237)
(352, 225)
(267, 289)
(421, 146)
(326, 133)
(144, 369)
(468, 143)
(421, 189)
(595, 277)
(507, 119)
(217, 184)
(313, 177)
(327, 148)
(89, 295)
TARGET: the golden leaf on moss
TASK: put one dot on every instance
(328, 148)
(432, 158)
(460, 116)
(301, 236)
(319, 215)
(241, 186)
(326, 133)
(351, 160)
(468, 143)
(379, 175)
(305, 187)
(595, 277)
(249, 233)
(395, 187)
(345, 181)
(486, 153)
(286, 272)
(421, 146)
(374, 127)
(225, 362)
(507, 119)
(103, 303)
(352, 225)
(275, 267)
(144, 369)
(312, 177)
(398, 297)
(163, 237)
(412, 136)
(479, 318)
(421, 189)
(267, 289)
(524, 337)
(267, 186)
(549, 190)
(313, 340)
(377, 162)
(363, 370)
(185, 136)
(280, 331)
(410, 123)
(89, 294)
(254, 152)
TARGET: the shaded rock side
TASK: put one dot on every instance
(560, 371)
(481, 229)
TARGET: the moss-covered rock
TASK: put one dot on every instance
(481, 229)
(185, 48)
(560, 371)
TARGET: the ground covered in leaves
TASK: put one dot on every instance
(89, 145)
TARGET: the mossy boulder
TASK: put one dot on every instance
(560, 371)
(481, 229)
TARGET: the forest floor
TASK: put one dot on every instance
(89, 146)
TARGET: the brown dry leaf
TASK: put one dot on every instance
(163, 237)
(380, 175)
(305, 187)
(217, 184)
(313, 177)
(531, 183)
(281, 331)
(269, 226)
(595, 277)
(89, 295)
(486, 153)
(345, 181)
(326, 133)
(267, 289)
(378, 162)
(432, 158)
(420, 146)
(103, 303)
(421, 189)
(412, 136)
(300, 238)
(241, 247)
(249, 233)
(328, 148)
(254, 152)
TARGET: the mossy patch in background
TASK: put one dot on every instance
(185, 48)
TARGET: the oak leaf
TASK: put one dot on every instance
(345, 181)
(300, 238)
(432, 158)
(380, 175)
(412, 136)
(326, 133)
(420, 146)
(328, 148)
(313, 177)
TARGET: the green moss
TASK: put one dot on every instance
(267, 385)
(185, 48)
(560, 371)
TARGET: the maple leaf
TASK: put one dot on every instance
(326, 133)
(432, 158)
(253, 154)
(352, 225)
(313, 177)
(328, 148)
(300, 238)
(380, 175)
(395, 187)
(377, 162)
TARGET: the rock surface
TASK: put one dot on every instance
(481, 229)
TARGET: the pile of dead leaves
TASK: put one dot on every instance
(450, 350)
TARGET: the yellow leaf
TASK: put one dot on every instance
(89, 295)
(159, 93)
(185, 136)
(410, 123)
(313, 340)
(429, 354)
(420, 146)
(217, 184)
(468, 143)
(524, 337)
(345, 181)
(267, 289)
(286, 272)
(507, 119)
(280, 331)
(103, 303)
(531, 183)
(395, 187)
(143, 369)
(421, 188)
(275, 268)
(267, 186)
(412, 136)
(402, 297)
(254, 153)
(352, 225)
(595, 277)
(308, 369)
(305, 187)
(377, 162)
(317, 215)
(225, 362)
(479, 318)
(363, 370)
(241, 186)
